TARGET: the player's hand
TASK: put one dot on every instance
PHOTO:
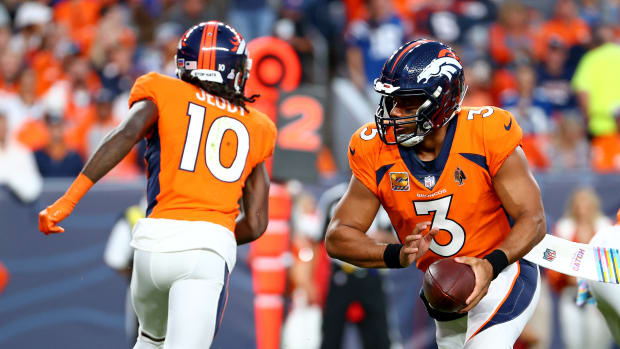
(416, 244)
(53, 214)
(484, 275)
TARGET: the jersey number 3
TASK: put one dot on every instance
(441, 221)
(218, 127)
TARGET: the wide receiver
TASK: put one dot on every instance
(452, 180)
(205, 152)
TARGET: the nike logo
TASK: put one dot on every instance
(352, 151)
(507, 127)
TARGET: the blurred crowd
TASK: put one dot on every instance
(66, 66)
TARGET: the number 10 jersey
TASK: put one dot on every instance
(455, 191)
(200, 152)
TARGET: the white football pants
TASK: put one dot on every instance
(179, 298)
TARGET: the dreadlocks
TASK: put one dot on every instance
(220, 90)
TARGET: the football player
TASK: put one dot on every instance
(456, 184)
(205, 151)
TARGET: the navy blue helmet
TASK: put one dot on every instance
(432, 72)
(214, 52)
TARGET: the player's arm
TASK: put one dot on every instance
(520, 196)
(115, 146)
(346, 237)
(253, 221)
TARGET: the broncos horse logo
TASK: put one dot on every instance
(238, 44)
(447, 66)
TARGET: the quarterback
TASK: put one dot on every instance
(456, 184)
(205, 152)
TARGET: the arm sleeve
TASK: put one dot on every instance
(144, 88)
(361, 161)
(502, 135)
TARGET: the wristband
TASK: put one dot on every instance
(498, 260)
(78, 188)
(391, 255)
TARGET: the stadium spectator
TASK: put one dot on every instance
(189, 12)
(581, 327)
(591, 12)
(31, 21)
(565, 25)
(5, 28)
(370, 42)
(530, 109)
(113, 31)
(47, 61)
(511, 38)
(56, 159)
(80, 18)
(98, 125)
(452, 21)
(254, 18)
(478, 77)
(18, 169)
(12, 62)
(569, 148)
(71, 96)
(158, 55)
(595, 82)
(22, 105)
(553, 77)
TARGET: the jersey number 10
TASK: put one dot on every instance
(217, 129)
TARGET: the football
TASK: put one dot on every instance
(447, 284)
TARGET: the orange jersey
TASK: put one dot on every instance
(200, 152)
(454, 192)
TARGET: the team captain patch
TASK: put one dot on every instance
(400, 181)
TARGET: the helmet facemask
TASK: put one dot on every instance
(390, 128)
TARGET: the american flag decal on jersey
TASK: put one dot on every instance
(607, 264)
(549, 255)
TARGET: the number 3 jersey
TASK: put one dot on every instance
(200, 152)
(455, 191)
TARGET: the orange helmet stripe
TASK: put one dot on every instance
(206, 58)
(202, 43)
(213, 52)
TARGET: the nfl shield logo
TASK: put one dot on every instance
(549, 255)
(429, 182)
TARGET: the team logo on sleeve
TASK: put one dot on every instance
(459, 176)
(400, 181)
